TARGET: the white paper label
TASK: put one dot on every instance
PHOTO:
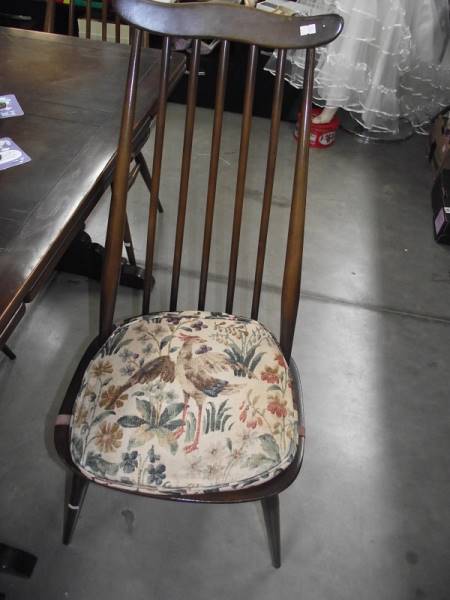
(308, 29)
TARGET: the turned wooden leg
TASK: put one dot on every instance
(271, 508)
(78, 490)
(146, 176)
(9, 353)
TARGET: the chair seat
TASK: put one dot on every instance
(185, 403)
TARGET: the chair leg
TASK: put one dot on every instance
(78, 490)
(271, 508)
(129, 243)
(146, 176)
(9, 353)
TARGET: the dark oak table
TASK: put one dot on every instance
(71, 91)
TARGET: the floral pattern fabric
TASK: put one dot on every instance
(185, 403)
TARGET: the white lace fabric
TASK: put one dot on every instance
(388, 63)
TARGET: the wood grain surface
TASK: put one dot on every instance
(71, 91)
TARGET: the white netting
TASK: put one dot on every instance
(387, 63)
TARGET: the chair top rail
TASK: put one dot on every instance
(232, 22)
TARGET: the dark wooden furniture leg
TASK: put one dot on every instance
(78, 491)
(9, 353)
(271, 508)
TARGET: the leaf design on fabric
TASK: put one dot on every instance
(102, 416)
(270, 446)
(99, 465)
(131, 421)
(169, 412)
(77, 448)
(147, 411)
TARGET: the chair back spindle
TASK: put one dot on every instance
(156, 171)
(88, 18)
(242, 172)
(71, 17)
(185, 170)
(91, 13)
(269, 180)
(116, 222)
(255, 28)
(290, 295)
(213, 168)
(104, 20)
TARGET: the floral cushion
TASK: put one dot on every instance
(185, 403)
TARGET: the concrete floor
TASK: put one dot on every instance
(369, 516)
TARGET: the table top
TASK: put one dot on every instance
(71, 92)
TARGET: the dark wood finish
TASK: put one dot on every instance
(116, 227)
(78, 489)
(185, 170)
(49, 21)
(71, 17)
(252, 27)
(103, 16)
(229, 22)
(117, 29)
(213, 169)
(242, 171)
(270, 177)
(106, 15)
(157, 160)
(271, 509)
(88, 18)
(78, 118)
(294, 252)
(104, 20)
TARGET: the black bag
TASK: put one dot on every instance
(439, 157)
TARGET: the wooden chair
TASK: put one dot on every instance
(101, 11)
(191, 405)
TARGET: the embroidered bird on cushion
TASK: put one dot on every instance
(162, 366)
(196, 373)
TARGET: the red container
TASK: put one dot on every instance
(323, 135)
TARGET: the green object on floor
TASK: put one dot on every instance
(83, 3)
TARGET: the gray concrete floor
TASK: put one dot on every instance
(368, 518)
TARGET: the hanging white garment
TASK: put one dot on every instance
(386, 64)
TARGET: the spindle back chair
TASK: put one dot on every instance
(181, 356)
(102, 11)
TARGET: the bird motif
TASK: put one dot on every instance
(196, 374)
(162, 366)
